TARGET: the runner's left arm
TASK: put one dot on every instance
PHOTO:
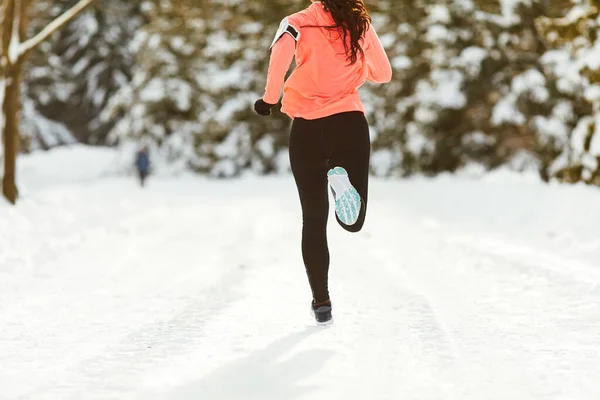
(282, 54)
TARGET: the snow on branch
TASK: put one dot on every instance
(54, 26)
(15, 39)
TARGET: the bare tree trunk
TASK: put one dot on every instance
(7, 14)
(14, 30)
(11, 111)
(13, 52)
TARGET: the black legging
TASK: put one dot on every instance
(315, 147)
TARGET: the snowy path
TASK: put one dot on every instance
(185, 291)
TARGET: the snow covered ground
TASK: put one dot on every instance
(458, 288)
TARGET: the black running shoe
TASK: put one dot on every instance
(322, 312)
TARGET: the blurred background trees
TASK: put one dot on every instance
(477, 84)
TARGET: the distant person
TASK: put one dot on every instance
(336, 50)
(142, 163)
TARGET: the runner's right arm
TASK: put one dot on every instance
(380, 69)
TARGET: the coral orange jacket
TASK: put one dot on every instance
(324, 82)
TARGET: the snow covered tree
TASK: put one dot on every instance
(161, 106)
(234, 139)
(535, 115)
(199, 69)
(434, 116)
(574, 63)
(14, 49)
(89, 61)
(468, 87)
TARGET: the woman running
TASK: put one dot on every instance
(336, 51)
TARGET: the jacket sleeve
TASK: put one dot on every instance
(282, 54)
(380, 69)
(283, 50)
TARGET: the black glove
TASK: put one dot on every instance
(263, 108)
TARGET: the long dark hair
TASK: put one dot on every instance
(353, 19)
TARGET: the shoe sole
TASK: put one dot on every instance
(328, 323)
(347, 199)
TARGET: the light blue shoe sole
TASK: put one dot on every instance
(347, 203)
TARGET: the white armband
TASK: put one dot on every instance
(286, 27)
